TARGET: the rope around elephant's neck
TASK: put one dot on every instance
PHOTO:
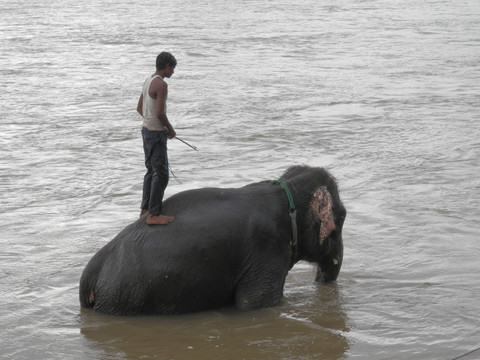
(293, 216)
(287, 192)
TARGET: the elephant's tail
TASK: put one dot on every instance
(87, 289)
(87, 294)
(89, 281)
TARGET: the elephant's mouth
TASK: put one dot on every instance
(328, 272)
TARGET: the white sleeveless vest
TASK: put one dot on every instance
(149, 108)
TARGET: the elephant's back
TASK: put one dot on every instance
(217, 204)
(214, 218)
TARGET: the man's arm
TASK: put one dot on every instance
(140, 105)
(162, 91)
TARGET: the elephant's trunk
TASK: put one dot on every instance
(331, 260)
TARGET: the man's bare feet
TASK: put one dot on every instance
(143, 212)
(159, 219)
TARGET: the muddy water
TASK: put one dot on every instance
(384, 94)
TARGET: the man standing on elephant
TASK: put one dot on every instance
(156, 129)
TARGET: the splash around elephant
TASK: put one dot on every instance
(225, 247)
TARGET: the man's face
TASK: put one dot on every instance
(169, 71)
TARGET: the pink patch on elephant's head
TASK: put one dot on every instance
(322, 208)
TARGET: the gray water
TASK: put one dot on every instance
(384, 94)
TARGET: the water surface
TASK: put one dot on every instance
(384, 94)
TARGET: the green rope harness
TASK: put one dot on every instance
(293, 215)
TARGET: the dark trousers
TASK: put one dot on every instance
(156, 161)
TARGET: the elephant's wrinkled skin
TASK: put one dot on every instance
(225, 247)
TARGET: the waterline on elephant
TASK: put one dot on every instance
(227, 246)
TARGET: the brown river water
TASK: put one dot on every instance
(384, 94)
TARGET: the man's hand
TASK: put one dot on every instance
(170, 133)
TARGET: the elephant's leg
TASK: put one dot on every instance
(260, 289)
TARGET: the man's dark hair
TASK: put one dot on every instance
(165, 59)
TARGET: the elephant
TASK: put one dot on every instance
(226, 247)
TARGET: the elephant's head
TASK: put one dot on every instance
(321, 215)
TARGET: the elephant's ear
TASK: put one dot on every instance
(322, 207)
